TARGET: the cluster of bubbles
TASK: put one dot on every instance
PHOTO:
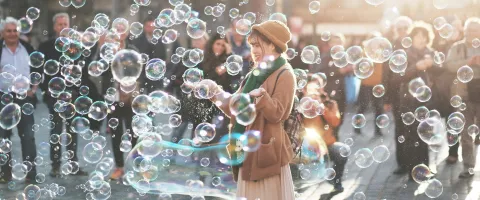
(310, 165)
(309, 107)
(445, 30)
(49, 191)
(158, 166)
(418, 89)
(242, 107)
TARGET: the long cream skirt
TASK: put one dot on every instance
(279, 187)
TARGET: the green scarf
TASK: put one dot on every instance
(254, 82)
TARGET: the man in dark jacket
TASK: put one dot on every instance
(15, 52)
(61, 21)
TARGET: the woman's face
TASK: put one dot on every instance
(218, 47)
(259, 53)
(419, 41)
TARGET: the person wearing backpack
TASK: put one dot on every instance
(465, 53)
(331, 119)
(265, 173)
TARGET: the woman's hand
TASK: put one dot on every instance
(220, 70)
(259, 92)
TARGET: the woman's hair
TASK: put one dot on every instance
(423, 28)
(212, 60)
(259, 36)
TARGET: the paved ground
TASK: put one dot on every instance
(376, 181)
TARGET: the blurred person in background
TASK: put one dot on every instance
(239, 47)
(196, 110)
(464, 53)
(61, 21)
(401, 26)
(16, 53)
(443, 44)
(175, 88)
(330, 117)
(420, 65)
(365, 96)
(297, 62)
(335, 86)
(156, 49)
(122, 110)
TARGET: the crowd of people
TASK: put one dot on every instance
(410, 149)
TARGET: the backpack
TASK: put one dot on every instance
(293, 125)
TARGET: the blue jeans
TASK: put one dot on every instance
(27, 140)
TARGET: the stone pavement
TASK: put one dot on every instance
(376, 181)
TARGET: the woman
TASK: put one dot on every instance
(420, 65)
(265, 173)
(123, 110)
(216, 52)
(330, 117)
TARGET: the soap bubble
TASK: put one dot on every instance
(378, 90)
(126, 67)
(36, 59)
(251, 140)
(136, 28)
(434, 188)
(407, 42)
(421, 173)
(421, 113)
(196, 28)
(140, 104)
(233, 13)
(169, 36)
(120, 26)
(279, 17)
(10, 116)
(314, 7)
(375, 2)
(310, 54)
(382, 121)
(243, 26)
(192, 76)
(51, 67)
(92, 152)
(427, 129)
(364, 68)
(250, 16)
(239, 102)
(98, 110)
(364, 158)
(205, 131)
(465, 74)
(439, 57)
(354, 54)
(446, 31)
(380, 153)
(378, 49)
(439, 22)
(335, 51)
(80, 125)
(440, 4)
(24, 25)
(33, 13)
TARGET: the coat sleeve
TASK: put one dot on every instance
(455, 58)
(274, 106)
